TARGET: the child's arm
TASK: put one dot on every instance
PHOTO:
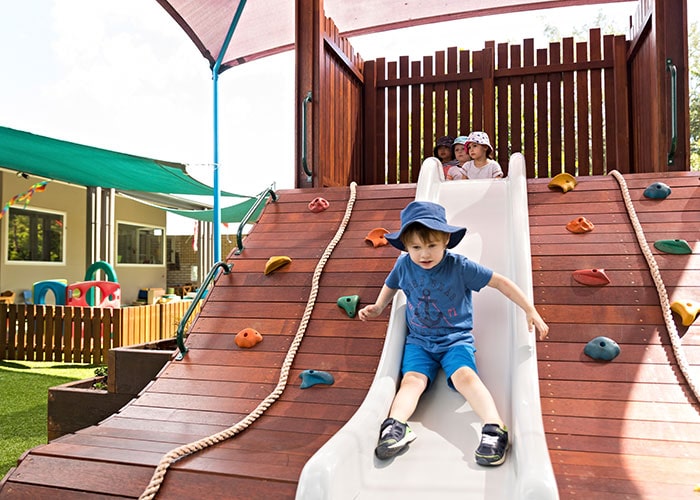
(511, 290)
(374, 310)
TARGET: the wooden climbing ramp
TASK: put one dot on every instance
(629, 428)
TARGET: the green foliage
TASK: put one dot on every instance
(23, 403)
(694, 94)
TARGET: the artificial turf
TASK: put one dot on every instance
(23, 400)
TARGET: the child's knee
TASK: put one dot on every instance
(415, 379)
(465, 375)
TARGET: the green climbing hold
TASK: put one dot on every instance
(602, 348)
(349, 303)
(679, 247)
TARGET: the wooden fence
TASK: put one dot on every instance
(82, 334)
(564, 107)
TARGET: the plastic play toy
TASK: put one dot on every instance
(679, 247)
(91, 273)
(602, 348)
(247, 338)
(580, 225)
(591, 277)
(318, 205)
(349, 303)
(687, 310)
(275, 262)
(111, 292)
(376, 237)
(657, 190)
(312, 377)
(564, 181)
(58, 287)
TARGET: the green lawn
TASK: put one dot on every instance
(23, 399)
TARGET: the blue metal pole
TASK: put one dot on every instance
(215, 78)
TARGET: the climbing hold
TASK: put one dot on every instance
(657, 190)
(565, 182)
(602, 348)
(591, 277)
(580, 225)
(275, 262)
(673, 246)
(376, 237)
(247, 338)
(687, 310)
(318, 205)
(349, 303)
(313, 377)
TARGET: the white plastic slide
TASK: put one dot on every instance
(439, 464)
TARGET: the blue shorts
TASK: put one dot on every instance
(417, 359)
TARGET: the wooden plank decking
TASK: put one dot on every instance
(629, 428)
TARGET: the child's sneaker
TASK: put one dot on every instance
(494, 443)
(394, 437)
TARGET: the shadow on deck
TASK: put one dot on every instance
(629, 428)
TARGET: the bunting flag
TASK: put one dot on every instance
(25, 197)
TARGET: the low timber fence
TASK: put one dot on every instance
(83, 334)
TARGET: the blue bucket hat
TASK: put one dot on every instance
(432, 216)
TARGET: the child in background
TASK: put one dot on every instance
(459, 150)
(438, 285)
(481, 165)
(443, 151)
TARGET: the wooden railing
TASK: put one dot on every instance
(82, 334)
(565, 107)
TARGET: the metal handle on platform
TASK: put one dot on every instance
(213, 273)
(304, 162)
(251, 212)
(670, 67)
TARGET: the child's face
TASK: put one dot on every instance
(444, 153)
(426, 254)
(477, 151)
(461, 153)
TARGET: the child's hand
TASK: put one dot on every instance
(370, 311)
(534, 319)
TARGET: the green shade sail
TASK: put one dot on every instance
(93, 167)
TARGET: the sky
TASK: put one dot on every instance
(122, 75)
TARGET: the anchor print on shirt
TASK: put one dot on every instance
(427, 312)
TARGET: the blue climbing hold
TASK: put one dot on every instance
(602, 348)
(657, 190)
(313, 377)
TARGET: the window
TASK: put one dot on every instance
(139, 244)
(34, 236)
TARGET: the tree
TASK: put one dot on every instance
(694, 94)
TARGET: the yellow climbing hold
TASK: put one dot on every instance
(565, 182)
(275, 262)
(687, 310)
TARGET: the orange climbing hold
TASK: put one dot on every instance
(275, 262)
(687, 310)
(248, 337)
(565, 182)
(580, 225)
(376, 237)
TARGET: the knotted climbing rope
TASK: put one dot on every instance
(660, 287)
(194, 447)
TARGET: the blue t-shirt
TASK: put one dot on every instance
(439, 300)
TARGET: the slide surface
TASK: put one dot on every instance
(440, 462)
